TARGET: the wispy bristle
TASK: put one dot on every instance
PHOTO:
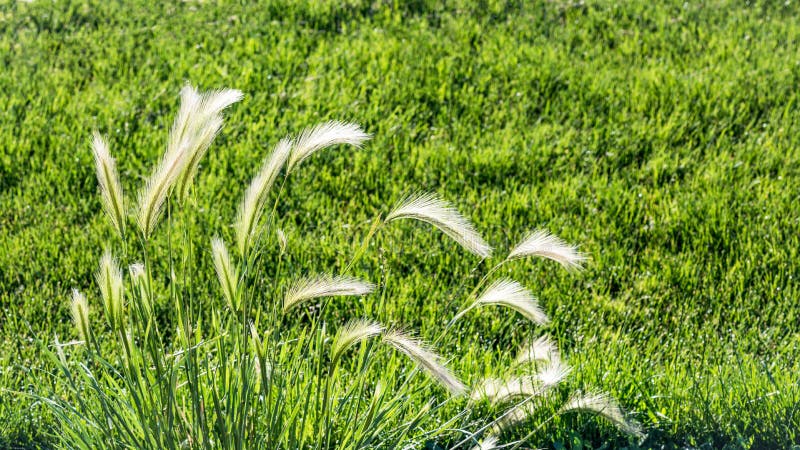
(543, 244)
(227, 274)
(542, 349)
(429, 208)
(110, 187)
(512, 295)
(80, 314)
(324, 286)
(425, 358)
(602, 404)
(109, 279)
(283, 242)
(252, 205)
(499, 391)
(325, 135)
(196, 124)
(203, 126)
(352, 333)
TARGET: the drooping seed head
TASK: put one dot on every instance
(324, 135)
(511, 294)
(429, 208)
(324, 286)
(542, 349)
(352, 333)
(601, 404)
(543, 244)
(426, 359)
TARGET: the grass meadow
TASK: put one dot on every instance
(661, 137)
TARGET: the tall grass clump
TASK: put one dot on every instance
(262, 365)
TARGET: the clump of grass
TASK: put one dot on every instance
(244, 372)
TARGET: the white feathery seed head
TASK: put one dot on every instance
(255, 197)
(110, 187)
(425, 358)
(553, 374)
(511, 294)
(197, 123)
(602, 404)
(109, 279)
(500, 391)
(80, 314)
(541, 349)
(325, 135)
(351, 334)
(429, 208)
(139, 282)
(283, 242)
(324, 286)
(543, 244)
(227, 274)
(196, 127)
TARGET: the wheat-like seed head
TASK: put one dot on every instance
(110, 187)
(499, 391)
(542, 349)
(252, 205)
(352, 333)
(283, 242)
(325, 135)
(424, 358)
(512, 295)
(324, 286)
(196, 128)
(429, 208)
(602, 404)
(109, 279)
(80, 314)
(227, 274)
(139, 282)
(543, 244)
(197, 123)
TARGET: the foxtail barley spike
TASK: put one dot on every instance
(283, 242)
(602, 404)
(110, 187)
(109, 279)
(252, 205)
(227, 274)
(425, 358)
(80, 314)
(543, 349)
(429, 208)
(140, 283)
(197, 123)
(324, 286)
(543, 244)
(204, 124)
(352, 333)
(499, 391)
(325, 135)
(512, 295)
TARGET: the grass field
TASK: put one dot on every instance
(663, 138)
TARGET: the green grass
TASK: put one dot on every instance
(662, 138)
